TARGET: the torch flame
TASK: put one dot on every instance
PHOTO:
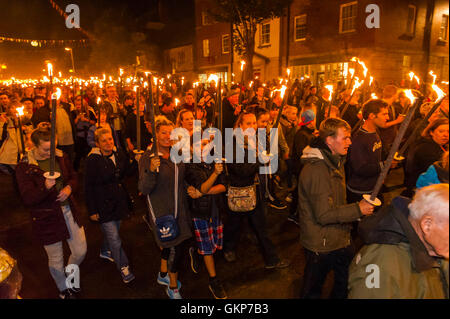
(155, 80)
(330, 89)
(99, 100)
(288, 71)
(411, 75)
(439, 92)
(250, 84)
(434, 76)
(135, 88)
(351, 71)
(417, 79)
(374, 96)
(356, 85)
(242, 65)
(410, 96)
(177, 101)
(120, 72)
(354, 59)
(50, 69)
(283, 90)
(57, 94)
(371, 80)
(364, 67)
(20, 110)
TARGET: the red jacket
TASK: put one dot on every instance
(48, 221)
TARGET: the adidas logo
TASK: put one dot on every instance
(165, 232)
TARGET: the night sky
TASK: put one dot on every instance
(37, 20)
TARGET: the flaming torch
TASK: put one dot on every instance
(52, 174)
(372, 198)
(330, 90)
(412, 137)
(20, 113)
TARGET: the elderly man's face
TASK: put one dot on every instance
(435, 234)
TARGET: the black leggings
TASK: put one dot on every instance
(174, 265)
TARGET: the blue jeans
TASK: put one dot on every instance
(77, 245)
(113, 243)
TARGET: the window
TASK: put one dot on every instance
(265, 34)
(411, 22)
(347, 21)
(443, 32)
(300, 27)
(205, 48)
(206, 18)
(226, 43)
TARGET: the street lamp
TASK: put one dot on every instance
(71, 56)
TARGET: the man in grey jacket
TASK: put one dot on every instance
(325, 217)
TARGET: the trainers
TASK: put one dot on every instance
(288, 198)
(106, 255)
(277, 204)
(166, 280)
(173, 293)
(195, 264)
(216, 288)
(127, 275)
(293, 219)
(67, 294)
(230, 256)
(279, 265)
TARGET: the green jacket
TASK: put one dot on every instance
(324, 215)
(395, 263)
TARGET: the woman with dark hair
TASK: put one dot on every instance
(53, 208)
(429, 149)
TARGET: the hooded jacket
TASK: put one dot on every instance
(48, 223)
(325, 217)
(105, 192)
(405, 268)
(435, 174)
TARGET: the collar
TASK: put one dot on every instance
(31, 156)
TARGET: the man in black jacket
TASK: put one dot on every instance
(231, 109)
(106, 198)
(364, 156)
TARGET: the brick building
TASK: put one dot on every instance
(323, 36)
(318, 39)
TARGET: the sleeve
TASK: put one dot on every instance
(194, 176)
(32, 192)
(147, 179)
(72, 179)
(90, 182)
(315, 184)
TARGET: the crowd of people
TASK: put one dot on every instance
(331, 151)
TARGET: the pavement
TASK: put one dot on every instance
(244, 279)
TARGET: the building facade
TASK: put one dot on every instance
(317, 39)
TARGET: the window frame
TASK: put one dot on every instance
(224, 36)
(345, 5)
(261, 38)
(295, 27)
